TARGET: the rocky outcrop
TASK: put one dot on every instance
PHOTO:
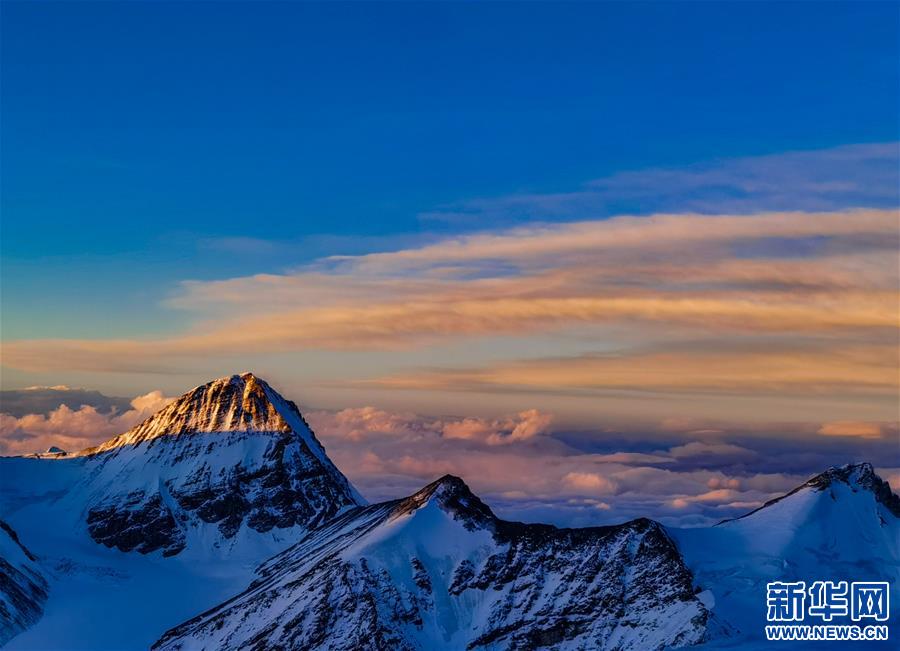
(438, 570)
(23, 588)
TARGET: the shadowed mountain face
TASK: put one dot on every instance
(231, 453)
(23, 586)
(438, 570)
(220, 479)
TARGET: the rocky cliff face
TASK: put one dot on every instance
(232, 453)
(438, 570)
(23, 588)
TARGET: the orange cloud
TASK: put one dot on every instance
(589, 482)
(533, 245)
(724, 482)
(862, 429)
(659, 277)
(715, 496)
(703, 368)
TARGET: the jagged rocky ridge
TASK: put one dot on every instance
(232, 453)
(23, 587)
(438, 570)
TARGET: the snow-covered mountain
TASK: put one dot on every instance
(23, 587)
(232, 452)
(121, 546)
(841, 525)
(200, 493)
(438, 570)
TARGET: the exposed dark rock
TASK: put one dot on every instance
(23, 588)
(142, 523)
(231, 453)
(519, 586)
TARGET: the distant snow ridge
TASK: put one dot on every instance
(438, 570)
(854, 475)
(23, 587)
(841, 525)
(232, 453)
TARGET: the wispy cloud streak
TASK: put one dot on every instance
(816, 180)
(674, 273)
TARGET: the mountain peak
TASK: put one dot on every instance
(231, 453)
(235, 403)
(438, 570)
(452, 483)
(860, 474)
(857, 476)
(450, 494)
(448, 487)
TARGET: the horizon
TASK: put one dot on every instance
(608, 259)
(385, 485)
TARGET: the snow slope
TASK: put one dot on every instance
(842, 525)
(184, 507)
(438, 570)
(23, 587)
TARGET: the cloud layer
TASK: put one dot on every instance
(40, 400)
(686, 477)
(360, 423)
(73, 429)
(809, 274)
(526, 467)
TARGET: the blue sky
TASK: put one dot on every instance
(137, 135)
(589, 256)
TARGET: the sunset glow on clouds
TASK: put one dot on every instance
(73, 429)
(642, 264)
(689, 366)
(523, 464)
(746, 305)
(828, 274)
(358, 424)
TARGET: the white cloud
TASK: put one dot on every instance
(589, 482)
(366, 423)
(73, 429)
(705, 449)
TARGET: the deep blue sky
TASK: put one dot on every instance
(133, 133)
